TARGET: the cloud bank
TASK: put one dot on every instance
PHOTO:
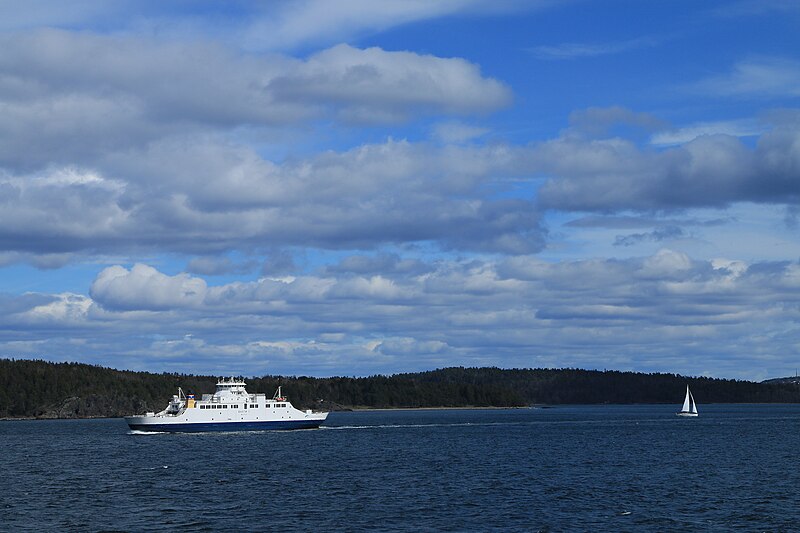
(521, 311)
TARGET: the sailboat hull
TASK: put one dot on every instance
(686, 414)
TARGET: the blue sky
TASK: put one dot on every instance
(353, 187)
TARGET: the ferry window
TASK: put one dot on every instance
(234, 406)
(224, 406)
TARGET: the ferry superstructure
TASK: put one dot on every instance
(230, 408)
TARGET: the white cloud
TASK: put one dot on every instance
(374, 85)
(711, 170)
(66, 308)
(666, 264)
(144, 288)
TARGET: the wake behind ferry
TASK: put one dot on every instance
(230, 408)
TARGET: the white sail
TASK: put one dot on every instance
(689, 407)
(686, 401)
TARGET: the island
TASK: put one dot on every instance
(42, 389)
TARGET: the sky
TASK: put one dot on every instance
(350, 187)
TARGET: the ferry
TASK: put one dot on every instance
(230, 408)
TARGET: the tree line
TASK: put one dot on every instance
(35, 388)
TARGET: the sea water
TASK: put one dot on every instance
(568, 468)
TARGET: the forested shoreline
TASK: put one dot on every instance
(41, 389)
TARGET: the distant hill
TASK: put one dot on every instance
(73, 390)
(794, 380)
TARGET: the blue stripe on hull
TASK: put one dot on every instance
(228, 426)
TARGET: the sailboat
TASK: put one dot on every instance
(689, 407)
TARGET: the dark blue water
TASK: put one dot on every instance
(607, 468)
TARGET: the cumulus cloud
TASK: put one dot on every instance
(63, 310)
(373, 85)
(712, 170)
(144, 288)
